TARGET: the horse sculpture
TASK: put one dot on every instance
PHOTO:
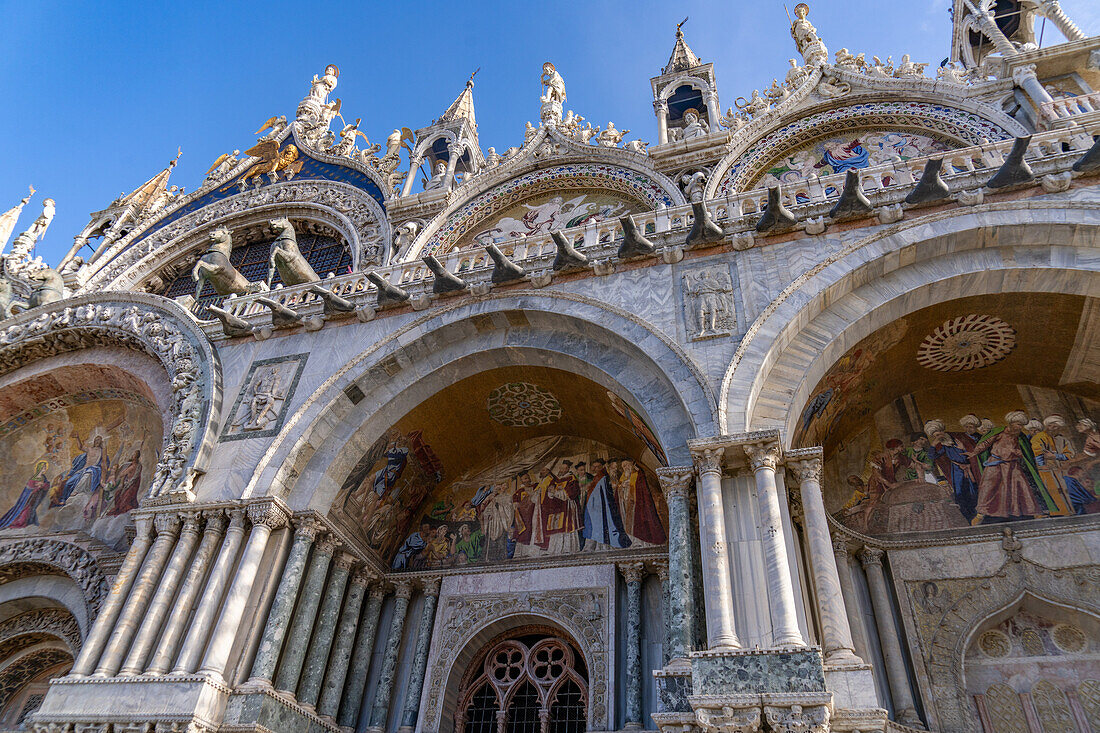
(48, 287)
(287, 258)
(214, 265)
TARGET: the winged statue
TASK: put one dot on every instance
(275, 123)
(272, 160)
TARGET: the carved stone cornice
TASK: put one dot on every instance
(675, 481)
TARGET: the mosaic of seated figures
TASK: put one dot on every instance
(76, 462)
(423, 498)
(1002, 425)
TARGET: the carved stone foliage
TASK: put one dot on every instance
(946, 612)
(144, 323)
(52, 621)
(74, 561)
(25, 668)
(351, 210)
(580, 612)
(261, 405)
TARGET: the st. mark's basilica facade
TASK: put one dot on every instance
(786, 421)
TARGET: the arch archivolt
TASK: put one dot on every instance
(695, 82)
(878, 279)
(345, 208)
(605, 344)
(469, 622)
(156, 327)
(24, 558)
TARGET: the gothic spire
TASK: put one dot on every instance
(149, 190)
(682, 58)
(9, 218)
(463, 106)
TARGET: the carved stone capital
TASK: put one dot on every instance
(797, 719)
(167, 524)
(215, 520)
(675, 481)
(143, 526)
(402, 589)
(362, 576)
(806, 469)
(870, 556)
(267, 513)
(192, 521)
(660, 567)
(633, 572)
(327, 544)
(728, 719)
(763, 455)
(708, 460)
(237, 516)
(430, 586)
(307, 528)
(344, 560)
(377, 592)
(840, 547)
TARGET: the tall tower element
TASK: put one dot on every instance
(686, 85)
(451, 139)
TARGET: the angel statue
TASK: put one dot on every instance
(389, 162)
(610, 138)
(275, 123)
(346, 144)
(319, 89)
(553, 96)
(222, 165)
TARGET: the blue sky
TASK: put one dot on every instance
(98, 96)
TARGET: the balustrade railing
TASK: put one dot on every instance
(1065, 107)
(886, 184)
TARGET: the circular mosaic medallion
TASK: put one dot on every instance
(967, 342)
(1069, 638)
(523, 405)
(995, 644)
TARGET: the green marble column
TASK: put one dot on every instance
(290, 669)
(324, 628)
(356, 683)
(341, 652)
(278, 618)
(382, 694)
(420, 658)
(633, 573)
(676, 484)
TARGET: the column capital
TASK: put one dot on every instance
(806, 469)
(708, 460)
(142, 526)
(267, 513)
(660, 105)
(237, 516)
(307, 527)
(840, 547)
(363, 576)
(192, 520)
(344, 560)
(215, 520)
(378, 592)
(167, 524)
(1022, 72)
(660, 568)
(430, 586)
(327, 544)
(402, 589)
(763, 454)
(632, 572)
(675, 480)
(870, 556)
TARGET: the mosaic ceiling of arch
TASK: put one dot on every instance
(79, 446)
(963, 413)
(509, 464)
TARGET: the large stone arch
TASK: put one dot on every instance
(33, 556)
(549, 158)
(469, 623)
(873, 281)
(661, 380)
(347, 209)
(156, 327)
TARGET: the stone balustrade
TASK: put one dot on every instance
(1067, 107)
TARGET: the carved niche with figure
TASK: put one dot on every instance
(261, 405)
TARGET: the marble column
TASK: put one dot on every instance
(764, 457)
(380, 710)
(661, 568)
(203, 621)
(430, 587)
(714, 112)
(309, 689)
(633, 573)
(306, 530)
(660, 108)
(680, 620)
(896, 674)
(168, 527)
(338, 663)
(1025, 78)
(409, 179)
(189, 592)
(851, 601)
(265, 517)
(90, 653)
(717, 580)
(290, 669)
(1053, 10)
(356, 684)
(454, 153)
(991, 31)
(836, 633)
(150, 628)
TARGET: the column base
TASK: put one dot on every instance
(842, 658)
(853, 686)
(406, 729)
(626, 726)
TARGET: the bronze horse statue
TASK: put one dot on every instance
(214, 265)
(48, 287)
(287, 258)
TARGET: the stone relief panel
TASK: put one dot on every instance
(710, 301)
(261, 406)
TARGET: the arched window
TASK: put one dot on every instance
(530, 684)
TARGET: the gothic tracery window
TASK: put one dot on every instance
(530, 684)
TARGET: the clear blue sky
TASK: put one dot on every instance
(98, 95)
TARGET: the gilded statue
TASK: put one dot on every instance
(272, 160)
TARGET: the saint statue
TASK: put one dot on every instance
(806, 39)
(553, 95)
(692, 126)
(438, 179)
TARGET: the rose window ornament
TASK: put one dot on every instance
(967, 342)
(523, 405)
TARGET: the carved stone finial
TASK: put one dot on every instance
(870, 556)
(675, 480)
(764, 455)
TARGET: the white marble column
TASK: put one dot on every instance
(454, 153)
(835, 630)
(904, 709)
(90, 653)
(1053, 10)
(150, 628)
(167, 526)
(265, 516)
(356, 684)
(680, 619)
(764, 457)
(633, 573)
(189, 593)
(337, 671)
(991, 31)
(717, 580)
(713, 111)
(306, 530)
(203, 620)
(660, 108)
(414, 164)
(415, 686)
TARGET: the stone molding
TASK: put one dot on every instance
(154, 326)
(54, 621)
(73, 560)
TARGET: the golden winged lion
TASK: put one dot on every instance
(272, 160)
